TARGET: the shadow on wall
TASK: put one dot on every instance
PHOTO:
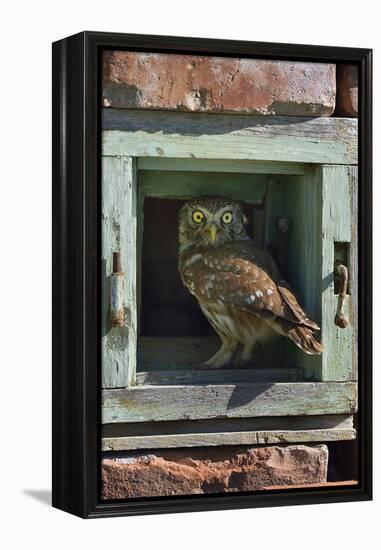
(41, 495)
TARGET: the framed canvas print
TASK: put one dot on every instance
(211, 274)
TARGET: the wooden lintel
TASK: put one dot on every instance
(321, 140)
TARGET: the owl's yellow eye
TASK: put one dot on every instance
(227, 217)
(198, 216)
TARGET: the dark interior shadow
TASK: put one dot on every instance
(42, 495)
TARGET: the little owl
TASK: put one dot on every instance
(238, 286)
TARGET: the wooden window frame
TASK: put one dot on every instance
(328, 172)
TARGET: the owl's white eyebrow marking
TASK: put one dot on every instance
(193, 259)
(269, 291)
(259, 293)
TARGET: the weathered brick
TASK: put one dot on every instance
(212, 470)
(202, 83)
(347, 90)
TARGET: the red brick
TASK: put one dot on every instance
(213, 84)
(212, 470)
(347, 90)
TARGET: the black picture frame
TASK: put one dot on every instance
(76, 273)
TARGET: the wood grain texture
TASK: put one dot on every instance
(354, 269)
(178, 184)
(322, 208)
(186, 353)
(339, 222)
(301, 199)
(209, 376)
(191, 402)
(244, 137)
(217, 439)
(253, 431)
(225, 165)
(322, 422)
(155, 352)
(298, 199)
(309, 238)
(119, 234)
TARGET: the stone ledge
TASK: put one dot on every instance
(137, 80)
(225, 469)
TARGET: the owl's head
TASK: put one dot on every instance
(211, 221)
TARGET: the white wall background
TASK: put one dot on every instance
(27, 29)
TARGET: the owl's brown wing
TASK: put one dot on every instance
(246, 279)
(261, 259)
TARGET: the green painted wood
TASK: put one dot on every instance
(119, 234)
(187, 402)
(322, 207)
(339, 224)
(139, 248)
(282, 149)
(314, 202)
(158, 353)
(170, 361)
(177, 184)
(242, 137)
(353, 270)
(253, 431)
(209, 376)
(234, 166)
(299, 200)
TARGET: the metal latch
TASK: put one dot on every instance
(117, 292)
(341, 320)
(119, 333)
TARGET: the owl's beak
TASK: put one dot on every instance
(213, 232)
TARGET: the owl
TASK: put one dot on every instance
(239, 287)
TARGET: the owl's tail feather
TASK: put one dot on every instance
(304, 338)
